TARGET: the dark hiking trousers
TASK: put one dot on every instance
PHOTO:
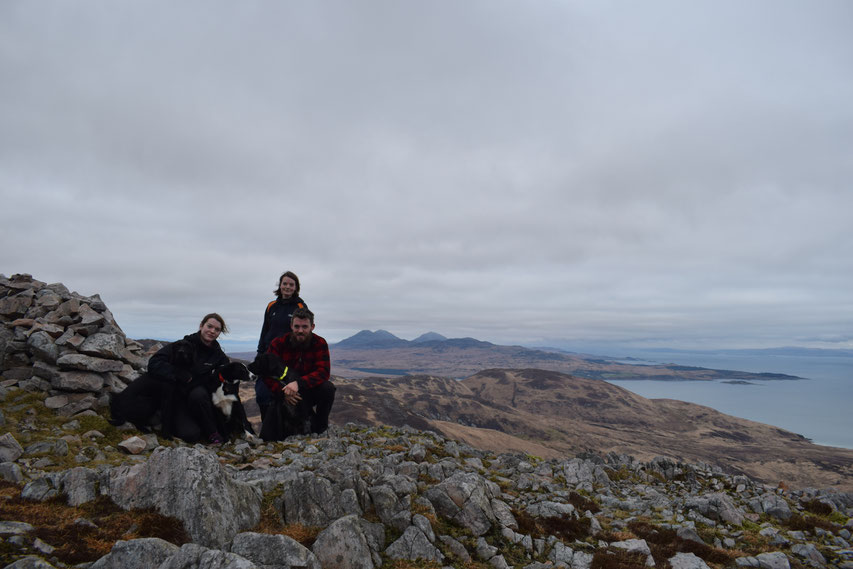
(320, 399)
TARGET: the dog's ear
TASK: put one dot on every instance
(234, 371)
(266, 365)
(256, 366)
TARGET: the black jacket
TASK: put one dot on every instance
(205, 359)
(277, 320)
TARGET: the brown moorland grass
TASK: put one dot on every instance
(56, 524)
(272, 523)
(799, 522)
(563, 527)
(583, 503)
(620, 559)
(665, 543)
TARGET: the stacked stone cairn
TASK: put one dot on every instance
(65, 344)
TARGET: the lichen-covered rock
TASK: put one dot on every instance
(273, 551)
(716, 506)
(10, 449)
(772, 505)
(414, 544)
(43, 346)
(88, 363)
(103, 345)
(14, 528)
(142, 553)
(11, 472)
(809, 552)
(466, 499)
(773, 560)
(193, 556)
(583, 473)
(79, 485)
(191, 485)
(350, 543)
(311, 500)
(30, 562)
(393, 511)
(687, 561)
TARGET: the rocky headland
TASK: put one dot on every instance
(79, 492)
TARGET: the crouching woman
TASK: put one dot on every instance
(176, 386)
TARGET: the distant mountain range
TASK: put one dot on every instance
(381, 353)
(382, 339)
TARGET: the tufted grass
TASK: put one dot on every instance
(409, 564)
(582, 503)
(664, 543)
(825, 512)
(272, 522)
(807, 523)
(619, 559)
(565, 528)
(54, 523)
(29, 421)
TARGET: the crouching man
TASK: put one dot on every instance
(307, 357)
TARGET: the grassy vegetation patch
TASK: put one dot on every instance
(563, 527)
(416, 564)
(59, 525)
(29, 421)
(583, 504)
(799, 522)
(272, 522)
(817, 507)
(619, 559)
(664, 543)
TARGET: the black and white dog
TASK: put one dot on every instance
(282, 419)
(224, 387)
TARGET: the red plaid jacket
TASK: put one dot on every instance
(310, 363)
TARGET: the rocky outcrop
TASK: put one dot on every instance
(63, 343)
(190, 485)
(401, 495)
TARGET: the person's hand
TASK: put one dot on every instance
(292, 399)
(291, 388)
(291, 393)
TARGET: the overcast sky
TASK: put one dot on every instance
(670, 174)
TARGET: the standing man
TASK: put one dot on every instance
(307, 356)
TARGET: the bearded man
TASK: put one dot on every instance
(307, 357)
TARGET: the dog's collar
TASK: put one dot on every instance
(281, 377)
(221, 379)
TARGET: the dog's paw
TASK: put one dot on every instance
(251, 439)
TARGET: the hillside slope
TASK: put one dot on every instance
(554, 414)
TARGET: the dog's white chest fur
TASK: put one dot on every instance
(222, 401)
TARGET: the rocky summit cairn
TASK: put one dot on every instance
(355, 498)
(64, 344)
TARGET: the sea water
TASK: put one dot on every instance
(819, 407)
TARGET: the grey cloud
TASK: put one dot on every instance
(663, 173)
